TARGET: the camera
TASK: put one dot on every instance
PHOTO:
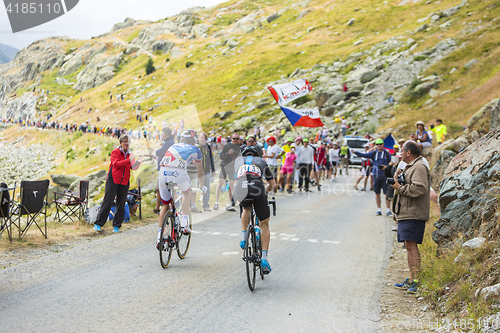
(400, 178)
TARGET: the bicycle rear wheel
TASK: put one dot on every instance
(167, 229)
(184, 241)
(250, 257)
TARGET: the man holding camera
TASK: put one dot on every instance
(411, 208)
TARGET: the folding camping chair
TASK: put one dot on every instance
(6, 209)
(72, 204)
(33, 204)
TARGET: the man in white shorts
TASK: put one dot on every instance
(173, 168)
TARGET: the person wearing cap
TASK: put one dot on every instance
(306, 153)
(441, 131)
(365, 169)
(287, 168)
(421, 135)
(298, 147)
(252, 142)
(344, 126)
(167, 142)
(334, 154)
(337, 125)
(381, 159)
(228, 155)
(345, 156)
(286, 149)
(272, 154)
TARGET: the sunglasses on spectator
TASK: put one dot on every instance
(235, 138)
(378, 144)
(250, 141)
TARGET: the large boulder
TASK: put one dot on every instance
(200, 30)
(336, 98)
(487, 118)
(95, 179)
(226, 114)
(460, 143)
(64, 180)
(425, 87)
(162, 45)
(71, 66)
(321, 98)
(470, 191)
(368, 76)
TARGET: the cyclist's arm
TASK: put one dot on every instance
(270, 185)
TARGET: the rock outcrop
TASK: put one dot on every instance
(487, 118)
(470, 191)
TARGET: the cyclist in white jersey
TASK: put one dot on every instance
(173, 168)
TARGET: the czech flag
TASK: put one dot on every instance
(389, 143)
(303, 117)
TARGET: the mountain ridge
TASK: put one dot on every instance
(7, 53)
(242, 47)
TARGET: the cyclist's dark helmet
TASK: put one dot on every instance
(250, 151)
(189, 136)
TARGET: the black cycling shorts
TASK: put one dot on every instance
(252, 189)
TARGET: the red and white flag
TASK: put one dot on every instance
(287, 92)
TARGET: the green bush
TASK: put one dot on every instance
(189, 64)
(70, 154)
(150, 68)
(419, 58)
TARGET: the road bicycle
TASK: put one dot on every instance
(252, 253)
(172, 238)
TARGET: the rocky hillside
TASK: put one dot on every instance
(428, 55)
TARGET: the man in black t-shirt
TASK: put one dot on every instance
(227, 156)
(249, 170)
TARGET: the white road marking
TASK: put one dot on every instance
(229, 253)
(331, 242)
(282, 236)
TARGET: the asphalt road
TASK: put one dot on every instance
(328, 255)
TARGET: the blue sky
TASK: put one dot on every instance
(94, 17)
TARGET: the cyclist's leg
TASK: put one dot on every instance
(245, 218)
(165, 196)
(265, 233)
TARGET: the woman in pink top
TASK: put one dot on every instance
(287, 168)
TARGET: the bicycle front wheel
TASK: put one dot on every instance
(167, 229)
(251, 257)
(184, 241)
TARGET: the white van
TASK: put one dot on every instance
(356, 143)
